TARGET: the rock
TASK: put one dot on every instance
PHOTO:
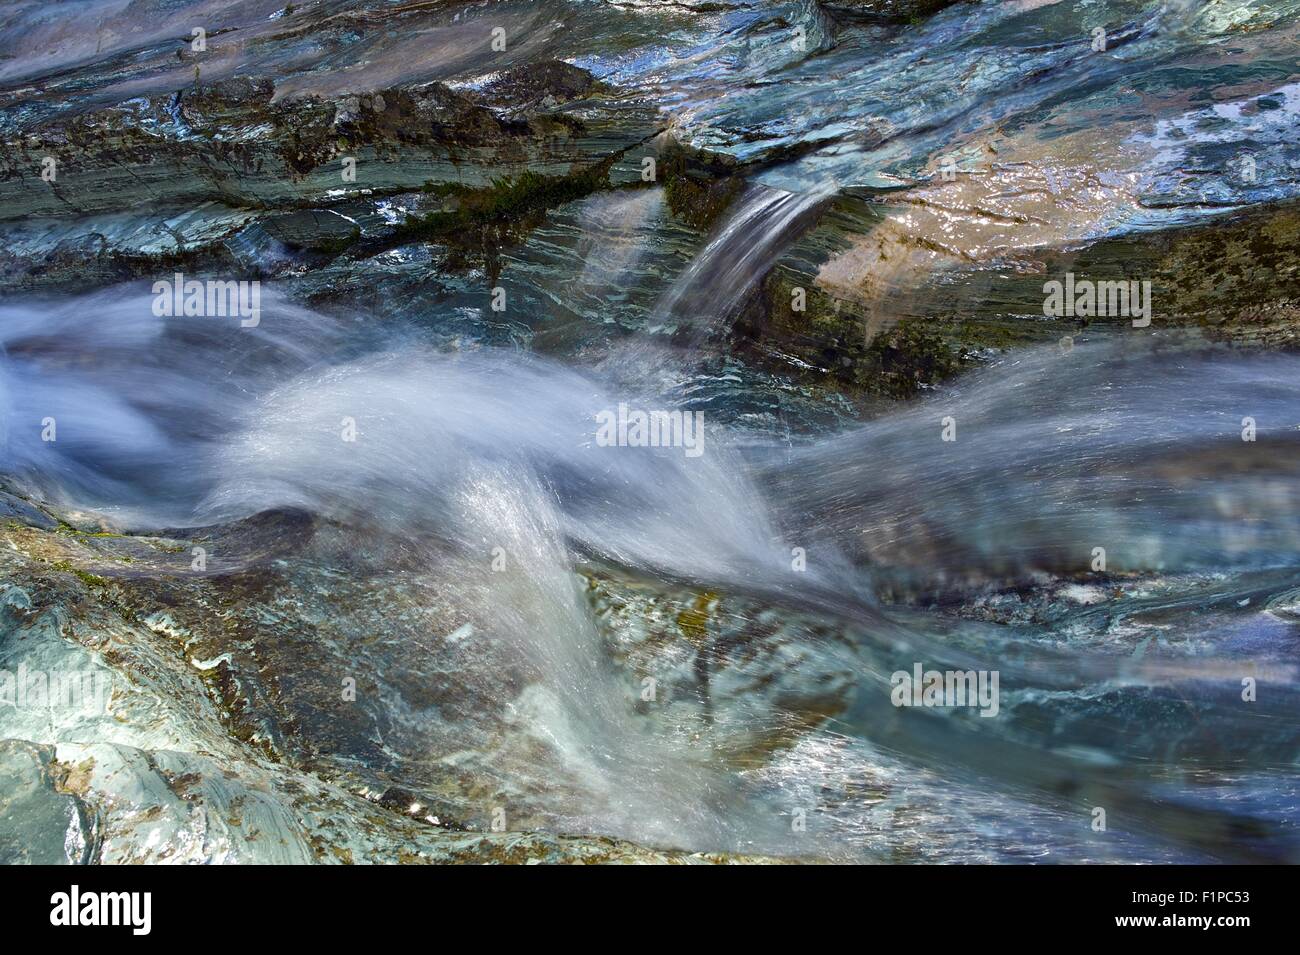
(543, 85)
(15, 508)
(223, 736)
(1231, 278)
(233, 142)
(698, 185)
(40, 822)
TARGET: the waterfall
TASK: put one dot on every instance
(751, 237)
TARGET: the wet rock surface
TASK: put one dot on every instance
(223, 736)
(825, 226)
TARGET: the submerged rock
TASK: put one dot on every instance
(468, 637)
(41, 821)
(213, 743)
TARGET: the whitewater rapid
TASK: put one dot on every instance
(1133, 447)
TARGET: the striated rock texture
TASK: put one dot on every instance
(221, 735)
(226, 176)
(477, 226)
(309, 147)
(232, 142)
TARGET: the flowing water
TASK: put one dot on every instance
(744, 249)
(825, 555)
(497, 449)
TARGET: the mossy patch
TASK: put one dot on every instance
(87, 578)
(477, 223)
(698, 185)
(1234, 274)
(829, 342)
(1236, 277)
(908, 358)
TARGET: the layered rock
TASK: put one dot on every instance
(223, 734)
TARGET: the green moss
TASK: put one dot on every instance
(336, 244)
(908, 358)
(480, 222)
(698, 201)
(831, 337)
(511, 198)
(1234, 266)
(698, 185)
(87, 578)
